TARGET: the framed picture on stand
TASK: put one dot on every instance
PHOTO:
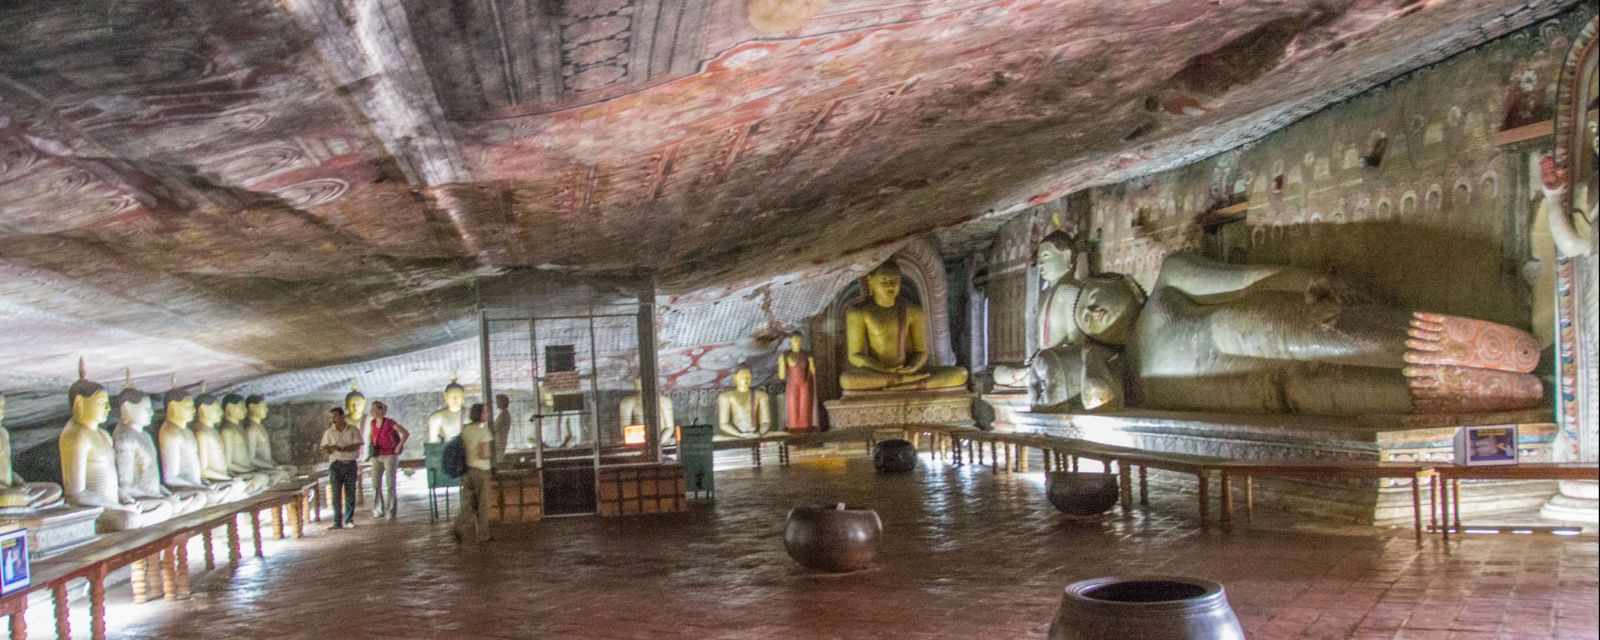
(14, 569)
(1486, 445)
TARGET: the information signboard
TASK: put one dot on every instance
(697, 457)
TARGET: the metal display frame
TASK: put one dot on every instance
(520, 306)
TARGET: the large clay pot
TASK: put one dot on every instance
(1082, 495)
(832, 539)
(894, 456)
(1148, 608)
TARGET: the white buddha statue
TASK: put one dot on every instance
(743, 412)
(560, 429)
(138, 463)
(89, 464)
(1057, 261)
(631, 413)
(260, 442)
(16, 494)
(445, 423)
(213, 453)
(241, 464)
(180, 455)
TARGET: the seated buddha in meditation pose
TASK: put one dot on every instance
(886, 342)
(1269, 339)
(89, 464)
(17, 494)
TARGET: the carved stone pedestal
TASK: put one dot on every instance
(1577, 503)
(871, 410)
(57, 530)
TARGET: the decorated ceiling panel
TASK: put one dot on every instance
(289, 184)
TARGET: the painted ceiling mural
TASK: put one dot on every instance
(233, 190)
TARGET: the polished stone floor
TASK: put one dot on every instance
(967, 555)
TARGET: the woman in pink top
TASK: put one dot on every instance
(388, 439)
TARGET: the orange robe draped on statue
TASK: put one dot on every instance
(800, 395)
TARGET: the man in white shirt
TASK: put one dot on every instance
(478, 442)
(342, 443)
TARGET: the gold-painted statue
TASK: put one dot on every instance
(180, 454)
(17, 494)
(89, 463)
(355, 415)
(631, 413)
(743, 412)
(886, 342)
(445, 423)
(138, 463)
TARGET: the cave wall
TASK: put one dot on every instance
(1438, 220)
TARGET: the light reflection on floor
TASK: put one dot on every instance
(967, 554)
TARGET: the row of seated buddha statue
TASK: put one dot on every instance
(1258, 339)
(212, 450)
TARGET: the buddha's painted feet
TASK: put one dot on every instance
(1452, 341)
(1436, 389)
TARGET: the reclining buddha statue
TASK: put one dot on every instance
(1270, 339)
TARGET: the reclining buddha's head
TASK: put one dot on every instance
(1108, 308)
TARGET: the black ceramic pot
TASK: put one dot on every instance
(832, 539)
(1148, 608)
(894, 456)
(1082, 495)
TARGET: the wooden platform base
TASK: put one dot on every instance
(1309, 438)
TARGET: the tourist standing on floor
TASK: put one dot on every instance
(388, 440)
(478, 443)
(502, 423)
(342, 443)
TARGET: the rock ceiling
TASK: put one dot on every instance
(225, 190)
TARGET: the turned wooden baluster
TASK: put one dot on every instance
(169, 573)
(255, 531)
(139, 580)
(63, 614)
(181, 550)
(233, 539)
(97, 603)
(211, 557)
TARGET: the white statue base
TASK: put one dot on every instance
(886, 409)
(56, 530)
(1577, 503)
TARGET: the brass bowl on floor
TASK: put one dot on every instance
(1082, 495)
(832, 539)
(894, 456)
(1148, 608)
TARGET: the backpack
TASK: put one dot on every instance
(453, 461)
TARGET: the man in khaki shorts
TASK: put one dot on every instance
(478, 442)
